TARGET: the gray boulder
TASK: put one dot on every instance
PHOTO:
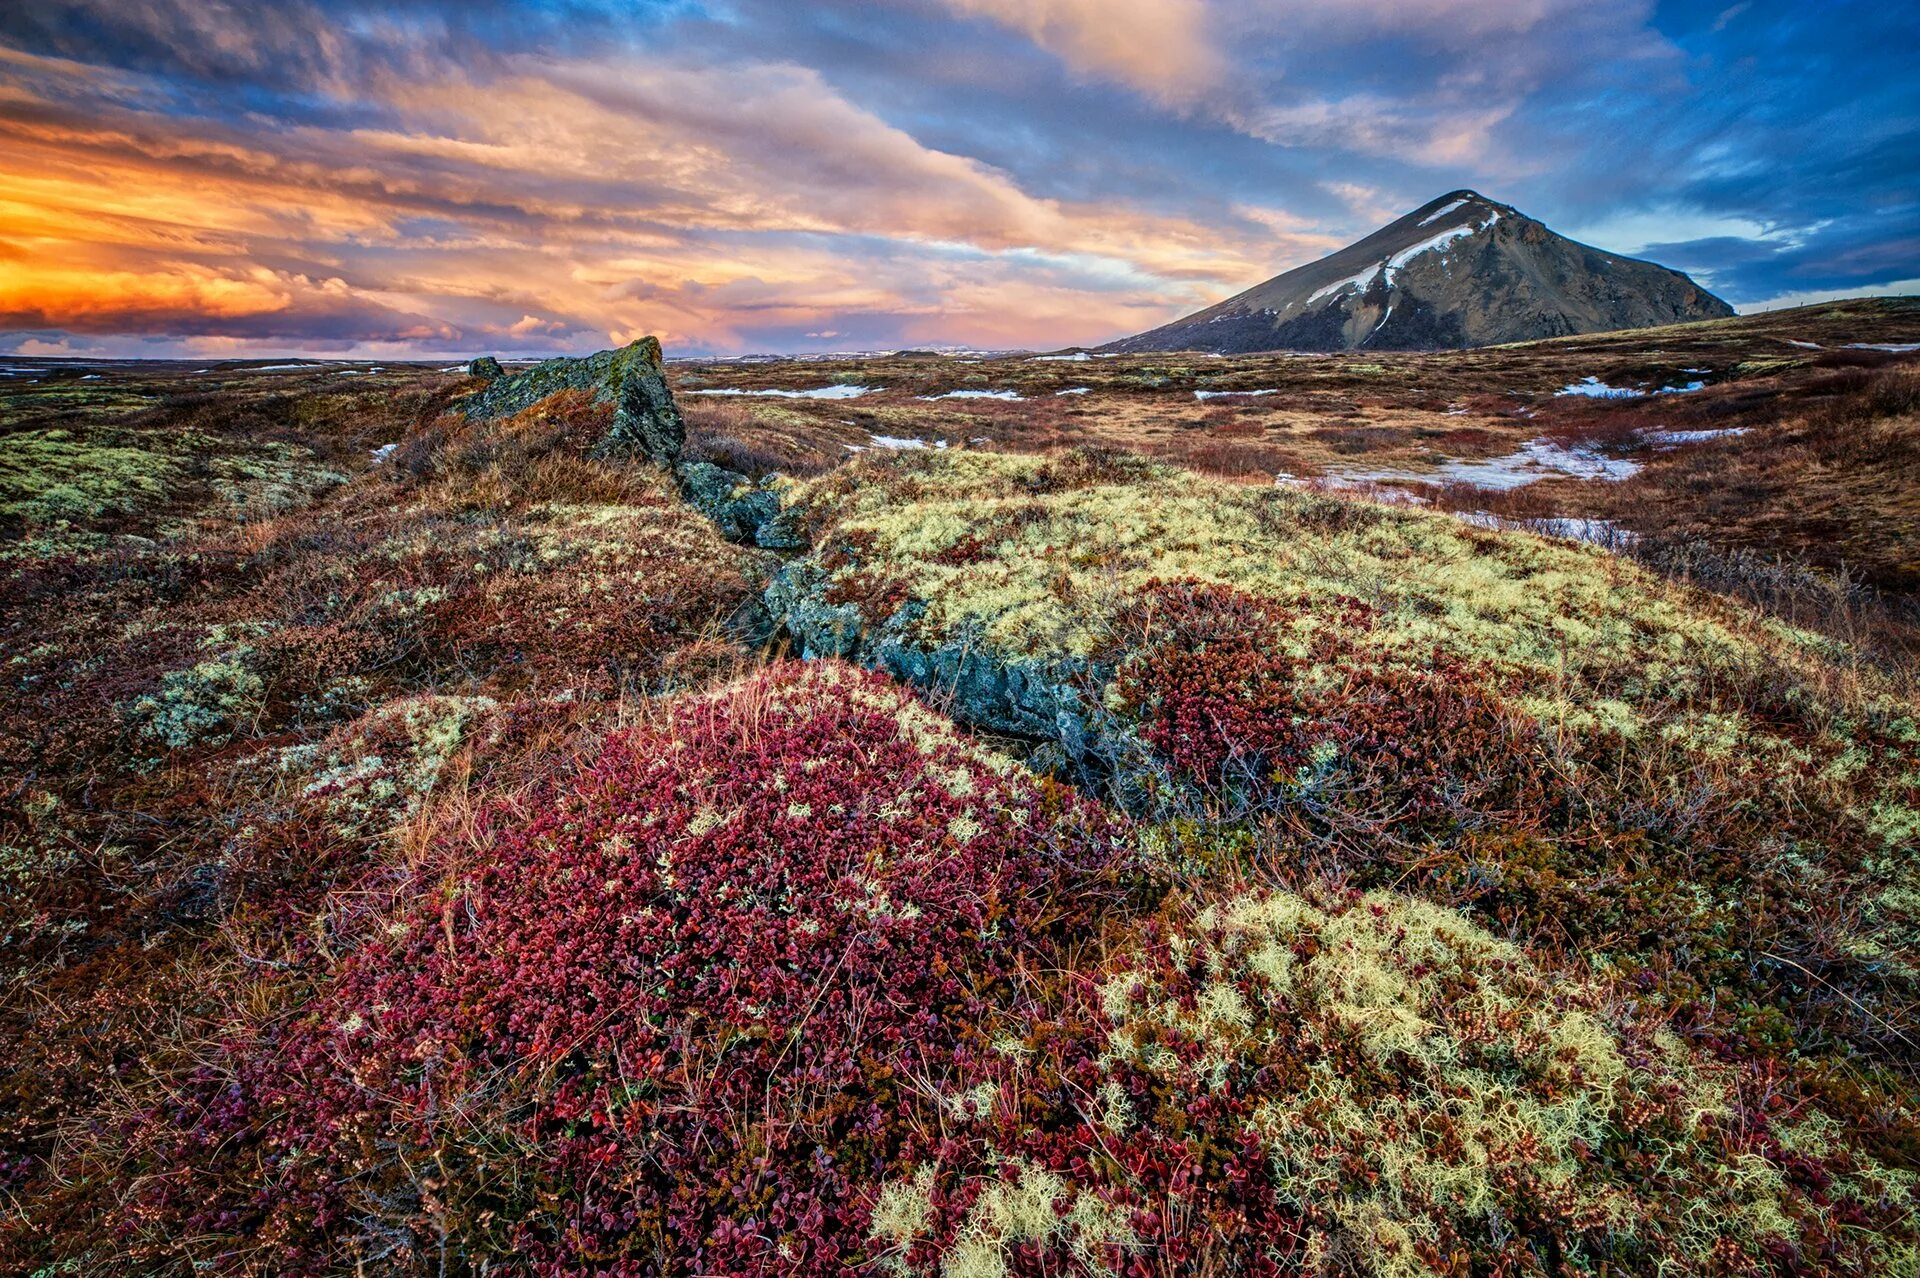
(486, 367)
(737, 506)
(632, 379)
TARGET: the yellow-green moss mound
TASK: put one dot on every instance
(1348, 1083)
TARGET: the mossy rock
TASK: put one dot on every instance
(631, 380)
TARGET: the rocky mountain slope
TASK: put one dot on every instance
(1458, 271)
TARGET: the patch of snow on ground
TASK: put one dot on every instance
(894, 441)
(1598, 532)
(1897, 348)
(1359, 281)
(976, 394)
(383, 452)
(1535, 460)
(1437, 214)
(1072, 390)
(1805, 346)
(1219, 394)
(840, 391)
(1594, 388)
(1078, 357)
(1671, 437)
(1434, 244)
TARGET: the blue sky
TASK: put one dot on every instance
(424, 177)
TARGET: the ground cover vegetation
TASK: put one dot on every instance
(432, 845)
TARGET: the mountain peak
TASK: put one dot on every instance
(1461, 270)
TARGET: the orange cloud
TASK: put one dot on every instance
(46, 295)
(1161, 47)
(551, 200)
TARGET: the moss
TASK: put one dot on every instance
(50, 476)
(53, 478)
(996, 545)
(1479, 1077)
(205, 704)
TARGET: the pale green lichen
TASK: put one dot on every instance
(204, 704)
(53, 478)
(378, 769)
(1498, 1073)
(1024, 1205)
(49, 476)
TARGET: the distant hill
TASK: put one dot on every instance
(1458, 271)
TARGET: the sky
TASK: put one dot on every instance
(410, 178)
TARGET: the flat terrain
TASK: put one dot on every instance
(1387, 815)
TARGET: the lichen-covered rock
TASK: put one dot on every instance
(488, 367)
(631, 380)
(1048, 698)
(785, 529)
(738, 506)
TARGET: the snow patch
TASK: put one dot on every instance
(839, 391)
(1676, 437)
(975, 394)
(1078, 357)
(1072, 390)
(1437, 214)
(1533, 461)
(1222, 394)
(1897, 348)
(1359, 281)
(1434, 244)
(1594, 388)
(1598, 532)
(896, 442)
(383, 452)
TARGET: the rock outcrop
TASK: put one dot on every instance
(631, 379)
(647, 424)
(743, 509)
(1456, 272)
(1053, 701)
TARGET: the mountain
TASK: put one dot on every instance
(1458, 271)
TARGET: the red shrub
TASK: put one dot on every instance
(671, 1022)
(1214, 690)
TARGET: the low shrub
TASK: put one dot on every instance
(670, 1019)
